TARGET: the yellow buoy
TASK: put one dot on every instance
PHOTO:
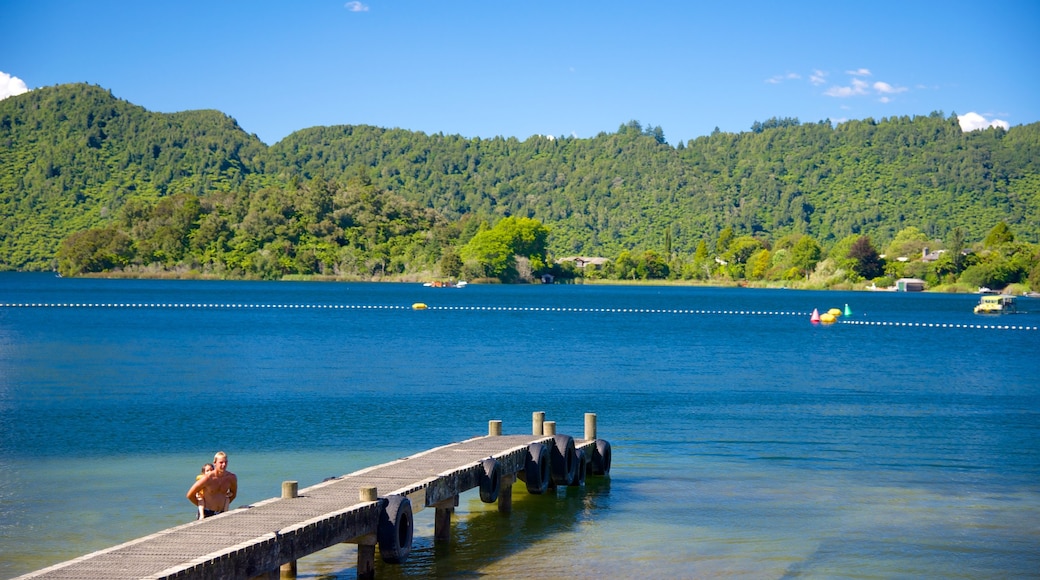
(835, 312)
(419, 306)
(827, 318)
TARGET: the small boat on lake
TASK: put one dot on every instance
(996, 304)
(448, 284)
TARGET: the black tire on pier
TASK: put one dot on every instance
(601, 458)
(490, 480)
(536, 469)
(396, 527)
(563, 459)
(579, 468)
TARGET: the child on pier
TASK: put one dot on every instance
(205, 470)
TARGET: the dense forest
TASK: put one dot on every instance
(91, 183)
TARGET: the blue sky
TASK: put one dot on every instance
(516, 69)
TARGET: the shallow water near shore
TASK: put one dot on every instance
(747, 441)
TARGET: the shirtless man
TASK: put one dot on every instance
(215, 491)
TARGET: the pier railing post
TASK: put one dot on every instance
(537, 419)
(495, 428)
(590, 426)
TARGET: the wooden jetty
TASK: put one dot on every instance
(265, 539)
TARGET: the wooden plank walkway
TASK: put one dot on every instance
(259, 539)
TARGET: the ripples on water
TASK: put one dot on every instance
(753, 445)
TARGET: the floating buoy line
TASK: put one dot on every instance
(838, 317)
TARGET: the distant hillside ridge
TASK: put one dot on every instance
(72, 157)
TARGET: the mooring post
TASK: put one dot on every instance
(505, 494)
(549, 428)
(537, 419)
(442, 519)
(494, 428)
(290, 490)
(366, 545)
(590, 426)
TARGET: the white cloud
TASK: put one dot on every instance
(11, 86)
(818, 77)
(885, 88)
(972, 121)
(356, 6)
(857, 87)
(775, 80)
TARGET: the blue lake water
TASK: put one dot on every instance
(903, 441)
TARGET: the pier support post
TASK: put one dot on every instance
(537, 419)
(505, 494)
(590, 426)
(442, 519)
(366, 545)
(549, 428)
(366, 557)
(495, 428)
(290, 490)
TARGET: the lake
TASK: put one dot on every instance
(902, 441)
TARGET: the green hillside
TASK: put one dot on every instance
(71, 156)
(126, 188)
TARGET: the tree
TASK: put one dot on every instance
(451, 264)
(653, 266)
(867, 261)
(908, 242)
(1000, 234)
(956, 249)
(725, 237)
(805, 254)
(493, 251)
(95, 250)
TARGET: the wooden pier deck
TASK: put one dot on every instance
(370, 507)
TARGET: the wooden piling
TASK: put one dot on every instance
(366, 557)
(494, 428)
(590, 426)
(505, 494)
(442, 519)
(368, 494)
(290, 489)
(537, 419)
(549, 428)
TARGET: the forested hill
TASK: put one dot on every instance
(73, 156)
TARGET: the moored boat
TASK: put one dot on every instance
(996, 304)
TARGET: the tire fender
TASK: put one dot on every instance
(563, 459)
(601, 458)
(581, 464)
(396, 527)
(536, 469)
(490, 480)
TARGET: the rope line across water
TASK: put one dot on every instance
(509, 309)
